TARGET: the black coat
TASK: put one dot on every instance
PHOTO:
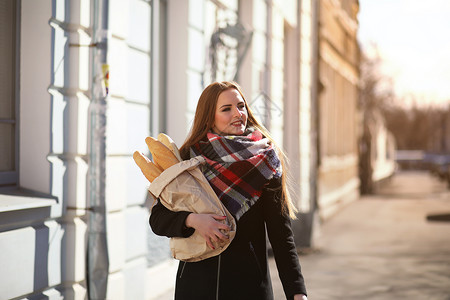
(241, 271)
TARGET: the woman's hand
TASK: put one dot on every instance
(300, 297)
(208, 227)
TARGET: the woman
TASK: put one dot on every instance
(245, 171)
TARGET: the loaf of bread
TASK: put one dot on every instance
(148, 168)
(169, 143)
(161, 155)
(158, 166)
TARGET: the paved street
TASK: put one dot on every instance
(383, 247)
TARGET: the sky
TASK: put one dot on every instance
(413, 39)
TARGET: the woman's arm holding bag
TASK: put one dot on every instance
(168, 223)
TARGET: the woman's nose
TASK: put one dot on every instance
(237, 112)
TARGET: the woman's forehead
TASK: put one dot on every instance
(230, 95)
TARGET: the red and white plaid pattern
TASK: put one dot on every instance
(238, 167)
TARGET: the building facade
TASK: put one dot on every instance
(338, 178)
(90, 79)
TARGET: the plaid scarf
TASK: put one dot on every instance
(238, 167)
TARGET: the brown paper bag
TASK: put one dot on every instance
(183, 187)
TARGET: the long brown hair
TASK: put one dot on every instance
(204, 121)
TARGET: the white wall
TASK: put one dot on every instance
(31, 239)
(306, 65)
(128, 123)
(30, 260)
(177, 68)
(35, 101)
(54, 130)
(384, 161)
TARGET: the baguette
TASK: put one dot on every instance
(160, 153)
(148, 168)
(169, 143)
(158, 166)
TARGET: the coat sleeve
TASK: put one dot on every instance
(282, 240)
(168, 223)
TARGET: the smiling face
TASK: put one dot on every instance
(231, 114)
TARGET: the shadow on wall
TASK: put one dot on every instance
(41, 257)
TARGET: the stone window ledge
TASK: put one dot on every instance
(23, 199)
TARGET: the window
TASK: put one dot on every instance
(8, 111)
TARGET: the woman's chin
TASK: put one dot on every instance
(231, 131)
(238, 131)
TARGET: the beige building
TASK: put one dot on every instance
(338, 179)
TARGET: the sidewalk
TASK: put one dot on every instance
(383, 247)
